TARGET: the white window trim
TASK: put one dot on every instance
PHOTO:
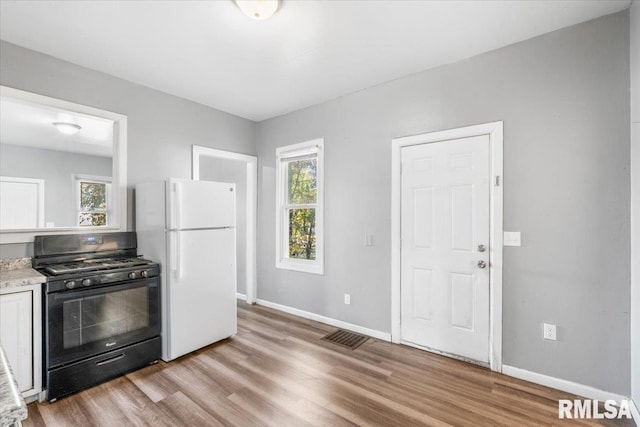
(316, 266)
(100, 180)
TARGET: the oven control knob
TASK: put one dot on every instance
(132, 275)
(144, 273)
(70, 284)
(86, 282)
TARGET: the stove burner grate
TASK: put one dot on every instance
(95, 265)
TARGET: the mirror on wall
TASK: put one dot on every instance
(62, 166)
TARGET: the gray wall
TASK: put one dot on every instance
(635, 202)
(222, 170)
(16, 250)
(57, 169)
(565, 103)
(564, 100)
(161, 127)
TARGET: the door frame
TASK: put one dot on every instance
(252, 197)
(495, 132)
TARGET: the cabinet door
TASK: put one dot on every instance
(16, 320)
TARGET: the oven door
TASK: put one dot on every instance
(92, 321)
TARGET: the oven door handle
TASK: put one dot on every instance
(88, 292)
(110, 360)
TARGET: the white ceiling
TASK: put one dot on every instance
(307, 53)
(31, 125)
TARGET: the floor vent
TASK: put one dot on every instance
(346, 339)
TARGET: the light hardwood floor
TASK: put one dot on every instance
(278, 372)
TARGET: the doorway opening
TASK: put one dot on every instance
(219, 165)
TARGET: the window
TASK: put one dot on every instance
(299, 216)
(92, 195)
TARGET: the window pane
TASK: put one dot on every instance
(302, 233)
(93, 195)
(92, 219)
(93, 204)
(302, 185)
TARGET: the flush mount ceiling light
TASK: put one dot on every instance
(67, 128)
(258, 9)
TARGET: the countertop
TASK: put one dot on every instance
(12, 406)
(18, 272)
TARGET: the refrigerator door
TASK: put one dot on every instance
(200, 204)
(201, 289)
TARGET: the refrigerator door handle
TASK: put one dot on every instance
(176, 259)
(177, 206)
(178, 270)
(172, 248)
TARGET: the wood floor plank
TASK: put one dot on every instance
(186, 412)
(270, 414)
(153, 383)
(277, 371)
(226, 411)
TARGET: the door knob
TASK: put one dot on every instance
(482, 264)
(482, 248)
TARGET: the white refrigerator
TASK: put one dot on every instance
(189, 227)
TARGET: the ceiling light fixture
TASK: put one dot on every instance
(258, 9)
(67, 128)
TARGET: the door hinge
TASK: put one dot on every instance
(497, 181)
(400, 168)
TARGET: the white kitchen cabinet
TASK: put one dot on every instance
(21, 335)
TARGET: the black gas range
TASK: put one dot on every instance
(101, 309)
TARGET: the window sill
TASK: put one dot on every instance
(302, 267)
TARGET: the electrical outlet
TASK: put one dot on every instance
(549, 331)
(347, 299)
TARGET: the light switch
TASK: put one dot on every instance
(368, 240)
(512, 238)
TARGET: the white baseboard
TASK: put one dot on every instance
(560, 384)
(240, 296)
(635, 413)
(329, 321)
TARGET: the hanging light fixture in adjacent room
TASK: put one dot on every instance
(258, 9)
(67, 128)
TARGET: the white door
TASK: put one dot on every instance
(21, 203)
(201, 204)
(445, 241)
(202, 289)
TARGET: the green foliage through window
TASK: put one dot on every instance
(302, 184)
(302, 233)
(302, 194)
(93, 204)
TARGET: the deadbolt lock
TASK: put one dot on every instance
(482, 248)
